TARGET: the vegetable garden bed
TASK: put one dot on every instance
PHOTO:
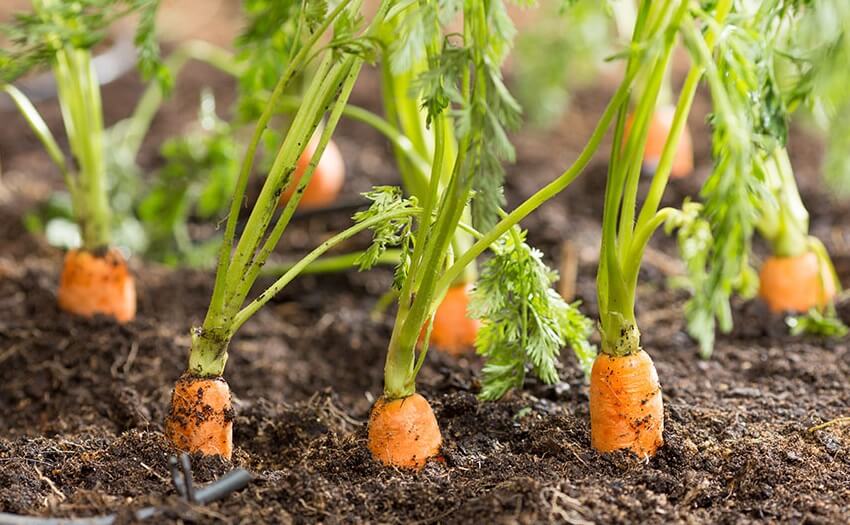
(757, 433)
(738, 446)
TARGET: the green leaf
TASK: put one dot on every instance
(391, 232)
(525, 323)
(815, 322)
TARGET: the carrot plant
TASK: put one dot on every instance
(200, 417)
(150, 212)
(95, 279)
(752, 187)
(625, 394)
(524, 323)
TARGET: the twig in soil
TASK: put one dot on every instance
(837, 421)
(9, 353)
(154, 473)
(564, 508)
(53, 488)
(569, 271)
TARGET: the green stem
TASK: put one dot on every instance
(353, 69)
(331, 264)
(402, 144)
(298, 267)
(79, 100)
(622, 254)
(39, 127)
(280, 175)
(215, 314)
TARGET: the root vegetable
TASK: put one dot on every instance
(201, 417)
(404, 432)
(97, 284)
(795, 284)
(626, 409)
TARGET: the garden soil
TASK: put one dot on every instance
(82, 401)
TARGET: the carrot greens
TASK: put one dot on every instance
(456, 78)
(60, 35)
(752, 187)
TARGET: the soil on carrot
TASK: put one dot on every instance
(82, 402)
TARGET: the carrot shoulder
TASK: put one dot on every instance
(97, 284)
(626, 410)
(201, 417)
(327, 179)
(404, 432)
(795, 284)
(453, 330)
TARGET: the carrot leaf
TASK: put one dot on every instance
(525, 323)
(392, 232)
(815, 322)
(35, 37)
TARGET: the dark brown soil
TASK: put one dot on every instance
(82, 401)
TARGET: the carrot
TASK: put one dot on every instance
(626, 410)
(453, 330)
(659, 130)
(97, 284)
(795, 284)
(327, 180)
(404, 432)
(201, 417)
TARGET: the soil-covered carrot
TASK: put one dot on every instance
(327, 180)
(201, 416)
(95, 278)
(97, 283)
(626, 410)
(796, 284)
(524, 322)
(625, 396)
(453, 331)
(404, 432)
(657, 133)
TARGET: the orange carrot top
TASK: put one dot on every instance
(799, 275)
(658, 132)
(92, 283)
(325, 182)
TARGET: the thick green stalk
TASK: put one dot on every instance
(785, 222)
(215, 313)
(353, 70)
(622, 254)
(79, 100)
(403, 144)
(300, 132)
(330, 264)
